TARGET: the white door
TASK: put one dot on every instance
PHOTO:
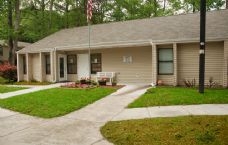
(62, 59)
(83, 66)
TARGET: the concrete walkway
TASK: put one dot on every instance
(29, 90)
(172, 111)
(82, 127)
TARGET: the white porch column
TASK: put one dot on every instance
(52, 65)
(55, 62)
(41, 68)
(154, 64)
(225, 64)
(27, 66)
(18, 68)
(175, 75)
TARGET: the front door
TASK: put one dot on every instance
(83, 66)
(62, 67)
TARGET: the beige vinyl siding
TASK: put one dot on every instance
(5, 55)
(139, 71)
(72, 77)
(48, 78)
(35, 60)
(24, 78)
(188, 62)
(225, 69)
(166, 79)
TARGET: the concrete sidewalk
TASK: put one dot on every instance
(81, 127)
(29, 90)
(172, 111)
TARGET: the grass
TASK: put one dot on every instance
(31, 83)
(163, 96)
(3, 81)
(6, 82)
(188, 130)
(54, 102)
(6, 89)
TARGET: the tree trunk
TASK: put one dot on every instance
(50, 13)
(66, 12)
(42, 10)
(164, 6)
(16, 29)
(193, 7)
(226, 4)
(10, 35)
(155, 7)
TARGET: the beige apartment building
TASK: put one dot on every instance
(137, 51)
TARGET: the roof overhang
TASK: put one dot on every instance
(121, 44)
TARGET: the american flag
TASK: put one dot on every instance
(89, 10)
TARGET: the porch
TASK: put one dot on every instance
(141, 63)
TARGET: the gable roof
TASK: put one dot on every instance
(167, 29)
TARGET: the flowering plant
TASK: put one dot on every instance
(8, 71)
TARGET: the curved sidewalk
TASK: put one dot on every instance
(82, 127)
(28, 90)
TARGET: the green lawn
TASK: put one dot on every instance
(163, 96)
(31, 83)
(54, 102)
(3, 81)
(5, 89)
(191, 130)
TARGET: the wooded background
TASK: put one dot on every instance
(32, 20)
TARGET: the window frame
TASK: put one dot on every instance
(72, 64)
(164, 61)
(47, 65)
(95, 63)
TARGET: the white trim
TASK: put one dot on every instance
(27, 66)
(55, 66)
(18, 69)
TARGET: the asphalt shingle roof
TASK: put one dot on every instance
(158, 29)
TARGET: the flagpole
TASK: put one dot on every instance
(89, 16)
(89, 51)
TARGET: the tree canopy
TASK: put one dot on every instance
(39, 18)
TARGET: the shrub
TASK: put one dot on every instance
(212, 83)
(190, 83)
(8, 71)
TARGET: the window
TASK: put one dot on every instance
(165, 61)
(48, 64)
(1, 50)
(24, 65)
(95, 63)
(71, 64)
